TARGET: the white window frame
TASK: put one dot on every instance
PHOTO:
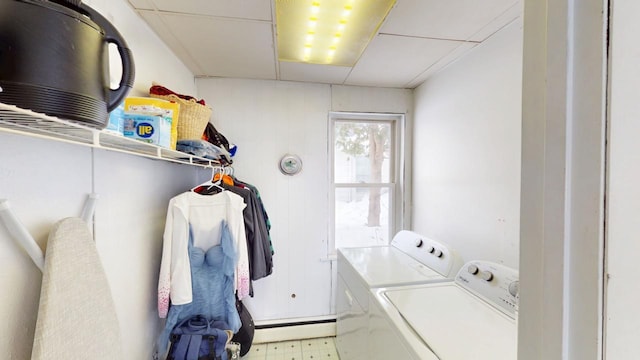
(396, 175)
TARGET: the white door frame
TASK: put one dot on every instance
(563, 179)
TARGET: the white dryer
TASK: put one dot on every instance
(474, 317)
(409, 259)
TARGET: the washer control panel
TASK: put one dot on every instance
(495, 283)
(429, 252)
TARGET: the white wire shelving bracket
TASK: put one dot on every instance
(26, 122)
(89, 209)
(20, 234)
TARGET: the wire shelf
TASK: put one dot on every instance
(26, 122)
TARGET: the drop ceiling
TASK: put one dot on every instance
(237, 38)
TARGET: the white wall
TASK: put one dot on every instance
(466, 152)
(623, 200)
(154, 60)
(46, 181)
(268, 119)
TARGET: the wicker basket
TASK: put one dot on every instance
(193, 117)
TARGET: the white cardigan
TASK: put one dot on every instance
(204, 213)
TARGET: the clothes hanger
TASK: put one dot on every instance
(212, 184)
(224, 176)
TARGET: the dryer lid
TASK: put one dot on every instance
(454, 323)
(385, 266)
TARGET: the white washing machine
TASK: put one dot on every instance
(410, 259)
(474, 317)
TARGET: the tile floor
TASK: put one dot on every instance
(309, 349)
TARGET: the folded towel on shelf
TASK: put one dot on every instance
(76, 317)
(204, 149)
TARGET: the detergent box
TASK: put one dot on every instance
(116, 121)
(152, 106)
(154, 129)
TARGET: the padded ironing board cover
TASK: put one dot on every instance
(76, 317)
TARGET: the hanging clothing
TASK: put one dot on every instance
(263, 211)
(203, 214)
(256, 227)
(212, 273)
(258, 246)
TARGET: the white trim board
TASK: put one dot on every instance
(294, 332)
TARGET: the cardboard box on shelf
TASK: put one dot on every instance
(152, 106)
(154, 129)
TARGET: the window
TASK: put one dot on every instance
(365, 163)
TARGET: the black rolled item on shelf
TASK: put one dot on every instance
(54, 60)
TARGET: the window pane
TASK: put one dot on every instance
(362, 152)
(362, 217)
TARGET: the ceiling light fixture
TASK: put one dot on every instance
(330, 32)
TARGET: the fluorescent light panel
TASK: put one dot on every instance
(330, 32)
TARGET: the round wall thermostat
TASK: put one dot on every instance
(290, 164)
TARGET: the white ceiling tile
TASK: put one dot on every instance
(234, 38)
(457, 53)
(394, 61)
(226, 47)
(451, 19)
(155, 22)
(243, 9)
(142, 4)
(313, 73)
(514, 12)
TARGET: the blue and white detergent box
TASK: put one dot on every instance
(154, 129)
(116, 121)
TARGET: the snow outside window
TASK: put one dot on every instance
(364, 163)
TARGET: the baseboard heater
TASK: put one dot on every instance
(297, 330)
(296, 323)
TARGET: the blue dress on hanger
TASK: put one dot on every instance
(212, 281)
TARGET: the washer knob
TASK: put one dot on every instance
(472, 269)
(431, 249)
(486, 276)
(514, 288)
(438, 253)
(419, 242)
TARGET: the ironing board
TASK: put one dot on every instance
(76, 316)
